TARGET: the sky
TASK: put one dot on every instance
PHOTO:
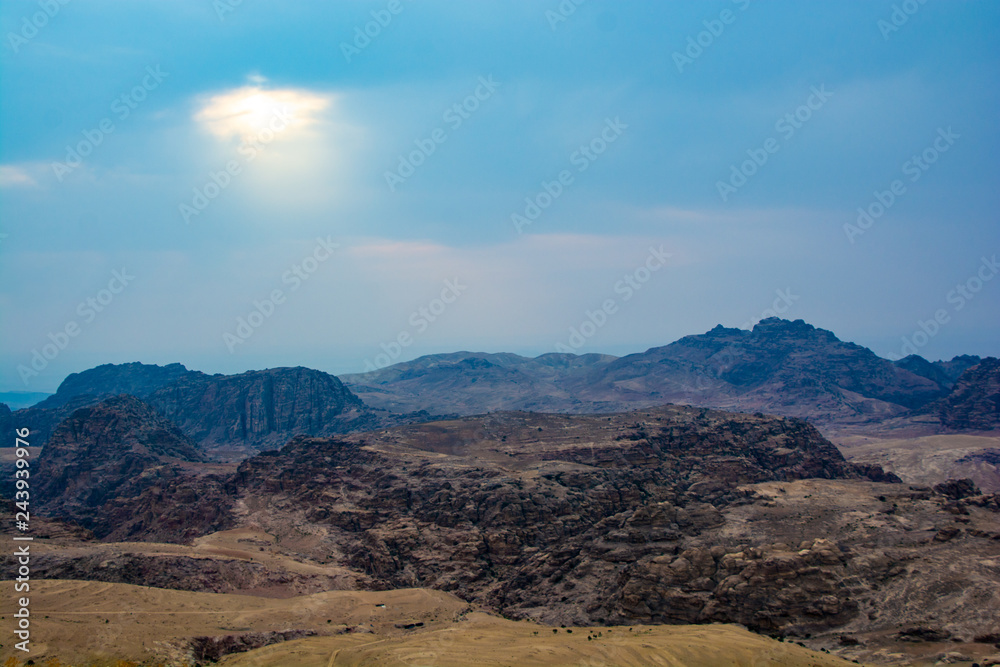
(238, 185)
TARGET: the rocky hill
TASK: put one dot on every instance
(108, 454)
(944, 373)
(974, 403)
(257, 410)
(105, 380)
(6, 425)
(475, 383)
(780, 367)
(92, 386)
(228, 416)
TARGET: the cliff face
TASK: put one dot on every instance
(229, 416)
(260, 410)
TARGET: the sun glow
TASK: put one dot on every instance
(246, 112)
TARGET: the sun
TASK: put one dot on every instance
(246, 112)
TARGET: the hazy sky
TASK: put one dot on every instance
(482, 175)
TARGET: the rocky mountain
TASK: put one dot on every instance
(475, 383)
(90, 387)
(236, 414)
(135, 378)
(668, 515)
(229, 416)
(780, 367)
(105, 454)
(974, 403)
(944, 373)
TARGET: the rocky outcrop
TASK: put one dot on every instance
(183, 573)
(974, 403)
(135, 378)
(90, 387)
(229, 416)
(934, 372)
(513, 508)
(106, 453)
(261, 410)
(206, 650)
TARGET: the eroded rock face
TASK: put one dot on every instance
(105, 455)
(229, 416)
(260, 410)
(974, 403)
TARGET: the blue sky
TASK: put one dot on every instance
(644, 126)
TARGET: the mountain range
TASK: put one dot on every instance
(585, 490)
(781, 367)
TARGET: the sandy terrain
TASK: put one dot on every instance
(79, 622)
(930, 459)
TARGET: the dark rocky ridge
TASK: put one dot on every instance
(781, 367)
(7, 425)
(229, 416)
(261, 409)
(134, 378)
(974, 403)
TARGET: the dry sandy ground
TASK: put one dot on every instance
(927, 460)
(482, 640)
(79, 622)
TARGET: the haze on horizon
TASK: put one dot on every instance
(487, 177)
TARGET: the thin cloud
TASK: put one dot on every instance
(12, 176)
